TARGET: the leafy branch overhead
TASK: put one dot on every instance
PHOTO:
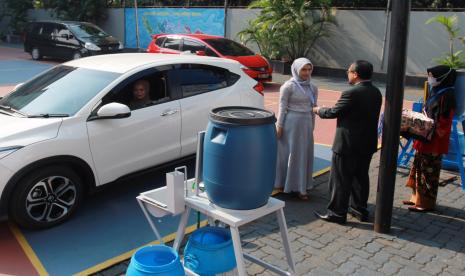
(288, 28)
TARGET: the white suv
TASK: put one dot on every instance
(70, 130)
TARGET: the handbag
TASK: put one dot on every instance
(416, 125)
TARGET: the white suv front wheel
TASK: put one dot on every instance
(46, 197)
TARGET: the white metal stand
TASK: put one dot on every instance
(234, 219)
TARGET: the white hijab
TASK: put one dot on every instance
(304, 85)
(297, 65)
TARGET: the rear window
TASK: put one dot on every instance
(172, 43)
(192, 46)
(229, 47)
(197, 79)
(33, 28)
(47, 29)
(159, 41)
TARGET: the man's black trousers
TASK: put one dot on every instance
(349, 180)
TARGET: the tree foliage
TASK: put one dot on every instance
(288, 28)
(455, 59)
(17, 11)
(79, 10)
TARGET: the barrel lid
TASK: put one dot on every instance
(242, 115)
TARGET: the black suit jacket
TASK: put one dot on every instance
(357, 112)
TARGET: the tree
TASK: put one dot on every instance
(288, 27)
(17, 11)
(79, 10)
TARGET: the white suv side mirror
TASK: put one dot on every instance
(113, 111)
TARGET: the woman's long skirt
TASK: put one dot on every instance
(424, 179)
(294, 166)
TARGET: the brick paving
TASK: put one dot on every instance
(419, 244)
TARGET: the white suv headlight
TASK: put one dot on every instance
(92, 46)
(4, 151)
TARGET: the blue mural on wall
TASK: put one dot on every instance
(171, 20)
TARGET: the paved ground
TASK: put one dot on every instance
(419, 244)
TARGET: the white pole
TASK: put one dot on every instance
(137, 24)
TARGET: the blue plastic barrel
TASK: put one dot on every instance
(157, 260)
(460, 92)
(239, 157)
(209, 251)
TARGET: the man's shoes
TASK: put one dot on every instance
(361, 216)
(331, 218)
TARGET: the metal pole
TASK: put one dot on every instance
(392, 114)
(137, 24)
(383, 51)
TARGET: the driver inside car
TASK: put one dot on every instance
(140, 95)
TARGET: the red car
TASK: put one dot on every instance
(256, 66)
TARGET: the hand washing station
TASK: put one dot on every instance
(236, 160)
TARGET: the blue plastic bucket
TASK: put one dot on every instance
(460, 92)
(239, 157)
(157, 260)
(210, 251)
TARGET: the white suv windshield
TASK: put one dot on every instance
(61, 91)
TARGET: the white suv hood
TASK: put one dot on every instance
(17, 131)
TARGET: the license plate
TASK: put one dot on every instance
(263, 76)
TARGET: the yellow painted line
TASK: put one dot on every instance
(31, 255)
(320, 172)
(326, 145)
(128, 254)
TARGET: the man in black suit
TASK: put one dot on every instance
(357, 112)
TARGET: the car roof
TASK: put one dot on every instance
(60, 22)
(122, 63)
(198, 36)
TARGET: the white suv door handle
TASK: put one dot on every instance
(170, 112)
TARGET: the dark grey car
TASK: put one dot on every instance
(67, 40)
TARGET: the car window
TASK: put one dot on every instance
(86, 30)
(155, 86)
(229, 47)
(192, 46)
(47, 30)
(61, 90)
(209, 52)
(60, 32)
(36, 29)
(172, 43)
(33, 28)
(159, 41)
(196, 78)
